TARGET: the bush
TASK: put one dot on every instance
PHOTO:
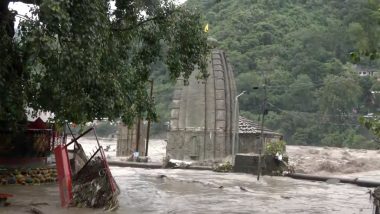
(273, 148)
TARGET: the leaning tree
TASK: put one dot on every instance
(85, 59)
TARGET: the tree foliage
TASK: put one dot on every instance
(85, 60)
(304, 51)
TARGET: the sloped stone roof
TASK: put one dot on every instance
(247, 126)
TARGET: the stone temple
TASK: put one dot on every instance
(202, 118)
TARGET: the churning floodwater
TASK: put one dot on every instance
(192, 191)
(189, 191)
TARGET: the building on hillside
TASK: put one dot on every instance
(364, 71)
(201, 120)
(250, 136)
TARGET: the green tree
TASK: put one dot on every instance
(302, 49)
(83, 60)
(338, 96)
(300, 94)
(364, 30)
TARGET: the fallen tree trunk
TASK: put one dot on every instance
(356, 181)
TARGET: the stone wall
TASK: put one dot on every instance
(250, 142)
(249, 163)
(127, 139)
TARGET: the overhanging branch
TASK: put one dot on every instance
(164, 16)
(35, 2)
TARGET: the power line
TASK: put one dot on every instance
(304, 85)
(294, 113)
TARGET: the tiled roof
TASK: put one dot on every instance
(247, 126)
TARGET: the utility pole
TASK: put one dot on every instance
(235, 120)
(262, 142)
(138, 134)
(205, 132)
(148, 129)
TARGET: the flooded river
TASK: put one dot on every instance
(187, 191)
(191, 191)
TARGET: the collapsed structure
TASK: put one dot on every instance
(85, 181)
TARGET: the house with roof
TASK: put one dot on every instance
(250, 136)
(28, 142)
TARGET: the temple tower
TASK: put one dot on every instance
(201, 120)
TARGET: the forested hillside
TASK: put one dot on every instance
(302, 51)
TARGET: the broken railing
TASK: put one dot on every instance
(85, 182)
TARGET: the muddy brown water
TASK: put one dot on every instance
(190, 191)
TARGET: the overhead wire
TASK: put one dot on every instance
(294, 113)
(303, 85)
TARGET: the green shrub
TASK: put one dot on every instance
(273, 148)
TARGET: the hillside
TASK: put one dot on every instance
(301, 51)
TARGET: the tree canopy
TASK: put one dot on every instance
(305, 52)
(85, 60)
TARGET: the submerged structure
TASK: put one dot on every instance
(131, 139)
(249, 140)
(202, 118)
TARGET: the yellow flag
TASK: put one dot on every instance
(206, 28)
